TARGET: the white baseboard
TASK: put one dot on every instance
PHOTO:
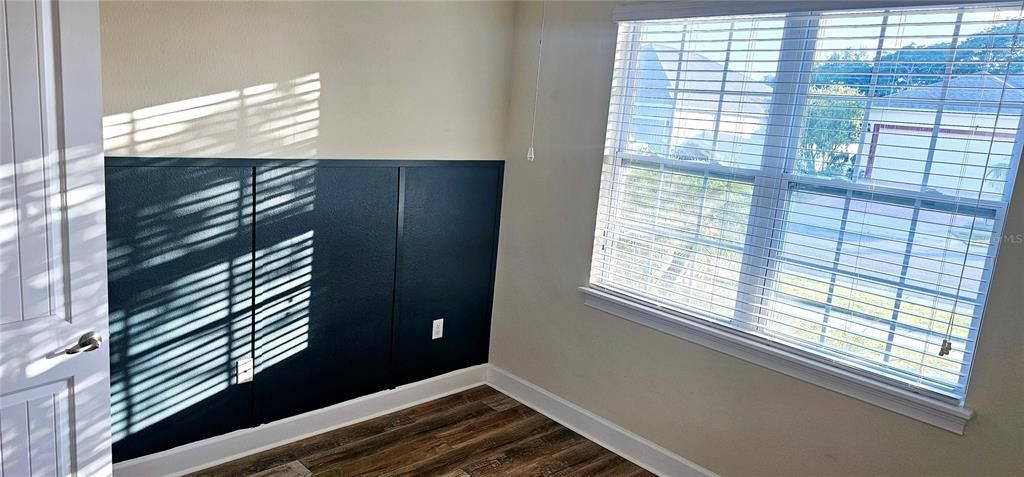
(217, 450)
(640, 451)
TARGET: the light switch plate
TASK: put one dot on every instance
(243, 371)
(437, 330)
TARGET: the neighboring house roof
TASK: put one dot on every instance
(963, 95)
(701, 80)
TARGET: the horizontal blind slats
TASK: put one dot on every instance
(615, 261)
(834, 180)
(874, 278)
(681, 200)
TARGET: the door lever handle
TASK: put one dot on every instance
(88, 342)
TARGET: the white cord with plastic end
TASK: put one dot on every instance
(536, 88)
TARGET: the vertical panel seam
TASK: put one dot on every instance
(28, 435)
(252, 299)
(56, 434)
(500, 184)
(1, 424)
(399, 229)
(14, 162)
(45, 145)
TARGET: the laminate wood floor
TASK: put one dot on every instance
(478, 432)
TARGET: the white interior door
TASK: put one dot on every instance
(54, 394)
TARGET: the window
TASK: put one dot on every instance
(830, 183)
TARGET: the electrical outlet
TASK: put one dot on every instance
(438, 329)
(243, 371)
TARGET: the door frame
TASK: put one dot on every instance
(80, 115)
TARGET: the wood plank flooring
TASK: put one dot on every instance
(478, 432)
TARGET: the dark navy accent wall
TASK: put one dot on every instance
(326, 273)
(325, 261)
(179, 248)
(446, 259)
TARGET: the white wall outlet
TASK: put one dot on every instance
(243, 371)
(438, 329)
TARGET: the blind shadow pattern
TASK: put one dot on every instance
(274, 119)
(180, 284)
(323, 316)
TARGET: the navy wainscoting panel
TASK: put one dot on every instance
(179, 245)
(325, 260)
(332, 293)
(446, 255)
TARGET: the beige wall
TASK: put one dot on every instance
(306, 79)
(732, 417)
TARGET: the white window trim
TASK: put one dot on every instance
(740, 345)
(663, 10)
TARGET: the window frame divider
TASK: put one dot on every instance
(771, 186)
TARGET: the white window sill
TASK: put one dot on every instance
(926, 409)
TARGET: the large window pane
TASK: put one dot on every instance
(835, 182)
(701, 91)
(876, 281)
(678, 237)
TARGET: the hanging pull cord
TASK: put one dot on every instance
(536, 88)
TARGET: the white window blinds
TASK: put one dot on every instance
(833, 182)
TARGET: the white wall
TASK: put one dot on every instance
(306, 79)
(733, 417)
